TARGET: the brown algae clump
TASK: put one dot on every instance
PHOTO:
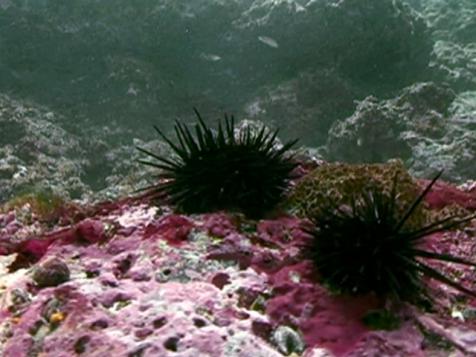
(335, 184)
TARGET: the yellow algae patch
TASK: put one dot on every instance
(57, 317)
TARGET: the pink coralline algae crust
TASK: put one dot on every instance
(218, 224)
(8, 228)
(220, 280)
(404, 341)
(458, 244)
(284, 232)
(332, 322)
(232, 248)
(90, 230)
(173, 228)
(298, 299)
(31, 250)
(214, 285)
(131, 293)
(443, 193)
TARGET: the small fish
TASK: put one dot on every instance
(210, 57)
(132, 90)
(299, 8)
(268, 41)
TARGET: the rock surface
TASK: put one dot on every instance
(81, 86)
(144, 281)
(427, 126)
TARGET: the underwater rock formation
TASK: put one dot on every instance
(80, 84)
(427, 126)
(146, 60)
(36, 153)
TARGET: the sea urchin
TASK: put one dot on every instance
(368, 246)
(214, 170)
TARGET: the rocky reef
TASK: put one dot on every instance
(90, 267)
(311, 68)
(132, 278)
(424, 126)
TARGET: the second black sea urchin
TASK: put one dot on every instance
(216, 169)
(367, 246)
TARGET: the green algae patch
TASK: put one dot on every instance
(336, 184)
(44, 206)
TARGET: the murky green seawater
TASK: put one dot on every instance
(83, 81)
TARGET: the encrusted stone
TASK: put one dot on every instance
(288, 341)
(51, 273)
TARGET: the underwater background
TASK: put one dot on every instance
(82, 83)
(130, 226)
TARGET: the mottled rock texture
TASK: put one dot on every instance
(143, 281)
(36, 153)
(332, 185)
(427, 126)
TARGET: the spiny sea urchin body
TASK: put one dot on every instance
(366, 246)
(214, 170)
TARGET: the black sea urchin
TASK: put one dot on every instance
(214, 170)
(367, 246)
